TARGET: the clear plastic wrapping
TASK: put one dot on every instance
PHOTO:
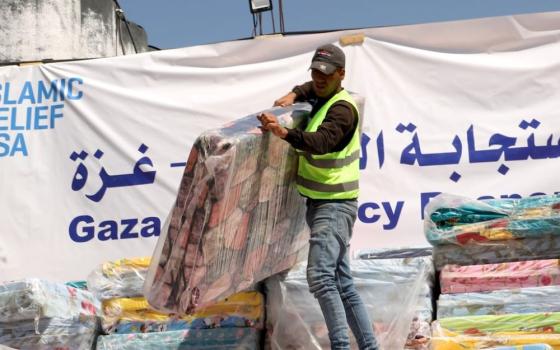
(50, 333)
(488, 277)
(31, 299)
(508, 301)
(454, 219)
(133, 315)
(191, 339)
(237, 218)
(391, 294)
(37, 314)
(419, 335)
(120, 278)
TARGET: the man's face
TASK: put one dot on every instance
(324, 85)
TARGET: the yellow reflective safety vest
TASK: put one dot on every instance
(333, 175)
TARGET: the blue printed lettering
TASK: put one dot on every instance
(27, 93)
(71, 95)
(367, 213)
(130, 224)
(4, 145)
(393, 215)
(6, 97)
(364, 142)
(19, 146)
(363, 215)
(539, 194)
(79, 233)
(108, 230)
(513, 195)
(13, 120)
(9, 147)
(3, 117)
(84, 229)
(152, 229)
(39, 116)
(55, 113)
(43, 93)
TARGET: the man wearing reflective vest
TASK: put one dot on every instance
(328, 174)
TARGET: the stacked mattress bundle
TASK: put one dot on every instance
(131, 324)
(237, 219)
(37, 314)
(119, 285)
(511, 301)
(470, 232)
(120, 278)
(508, 304)
(419, 335)
(393, 290)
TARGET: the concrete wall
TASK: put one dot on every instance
(36, 30)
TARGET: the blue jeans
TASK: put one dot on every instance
(329, 276)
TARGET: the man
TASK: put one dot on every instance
(328, 173)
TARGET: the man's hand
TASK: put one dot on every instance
(270, 123)
(286, 100)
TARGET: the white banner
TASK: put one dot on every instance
(92, 152)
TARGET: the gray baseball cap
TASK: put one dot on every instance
(327, 59)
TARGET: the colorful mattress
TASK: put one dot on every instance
(524, 347)
(133, 315)
(238, 217)
(394, 298)
(31, 299)
(547, 322)
(479, 278)
(499, 302)
(453, 219)
(546, 247)
(443, 339)
(120, 278)
(192, 339)
(50, 333)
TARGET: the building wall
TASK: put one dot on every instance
(37, 30)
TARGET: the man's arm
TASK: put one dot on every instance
(332, 135)
(269, 122)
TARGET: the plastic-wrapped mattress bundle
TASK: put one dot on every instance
(37, 314)
(238, 217)
(121, 278)
(127, 315)
(546, 247)
(523, 347)
(190, 339)
(479, 278)
(530, 280)
(420, 333)
(390, 291)
(133, 315)
(466, 231)
(507, 301)
(481, 332)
